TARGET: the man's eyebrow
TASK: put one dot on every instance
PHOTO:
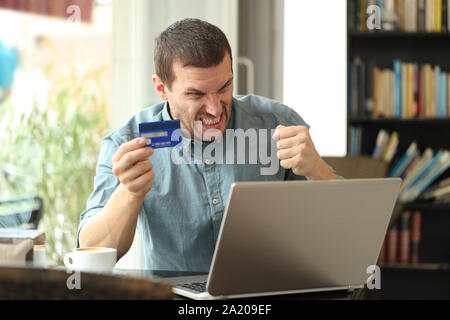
(193, 90)
(227, 83)
(199, 91)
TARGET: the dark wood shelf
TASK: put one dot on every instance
(398, 34)
(415, 121)
(427, 132)
(427, 207)
(417, 266)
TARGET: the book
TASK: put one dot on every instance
(410, 91)
(410, 16)
(433, 92)
(428, 90)
(419, 111)
(415, 233)
(436, 185)
(358, 87)
(381, 144)
(362, 15)
(413, 13)
(356, 134)
(362, 88)
(421, 15)
(429, 15)
(442, 110)
(444, 14)
(391, 147)
(433, 16)
(410, 168)
(418, 169)
(404, 238)
(437, 75)
(404, 88)
(438, 15)
(398, 88)
(437, 166)
(369, 95)
(391, 94)
(448, 89)
(392, 244)
(407, 158)
(378, 92)
(438, 193)
(355, 141)
(403, 14)
(416, 75)
(448, 16)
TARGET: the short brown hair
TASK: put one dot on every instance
(194, 43)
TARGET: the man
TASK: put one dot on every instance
(178, 208)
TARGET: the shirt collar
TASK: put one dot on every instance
(165, 112)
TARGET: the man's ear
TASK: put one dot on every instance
(159, 87)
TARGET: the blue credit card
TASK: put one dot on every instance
(159, 133)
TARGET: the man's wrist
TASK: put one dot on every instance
(131, 197)
(323, 172)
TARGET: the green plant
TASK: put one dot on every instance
(52, 150)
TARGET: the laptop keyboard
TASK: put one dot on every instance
(195, 287)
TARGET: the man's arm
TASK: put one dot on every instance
(114, 226)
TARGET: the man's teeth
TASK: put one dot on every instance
(211, 122)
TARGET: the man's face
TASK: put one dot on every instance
(202, 94)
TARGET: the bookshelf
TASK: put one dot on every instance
(379, 48)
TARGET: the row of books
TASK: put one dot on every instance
(420, 171)
(402, 240)
(438, 192)
(55, 8)
(407, 90)
(401, 15)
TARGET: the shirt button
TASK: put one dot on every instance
(215, 201)
(208, 161)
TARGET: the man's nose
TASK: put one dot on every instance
(213, 105)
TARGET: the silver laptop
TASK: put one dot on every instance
(296, 236)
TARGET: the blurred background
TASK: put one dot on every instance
(73, 70)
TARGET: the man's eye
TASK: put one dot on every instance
(195, 94)
(225, 87)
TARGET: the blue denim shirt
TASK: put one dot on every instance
(181, 216)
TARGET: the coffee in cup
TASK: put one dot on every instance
(91, 259)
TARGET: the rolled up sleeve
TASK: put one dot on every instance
(105, 182)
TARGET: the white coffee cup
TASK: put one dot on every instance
(39, 258)
(91, 259)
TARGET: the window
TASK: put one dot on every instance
(315, 69)
(56, 111)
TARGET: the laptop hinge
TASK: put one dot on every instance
(351, 288)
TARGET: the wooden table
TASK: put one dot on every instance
(20, 282)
